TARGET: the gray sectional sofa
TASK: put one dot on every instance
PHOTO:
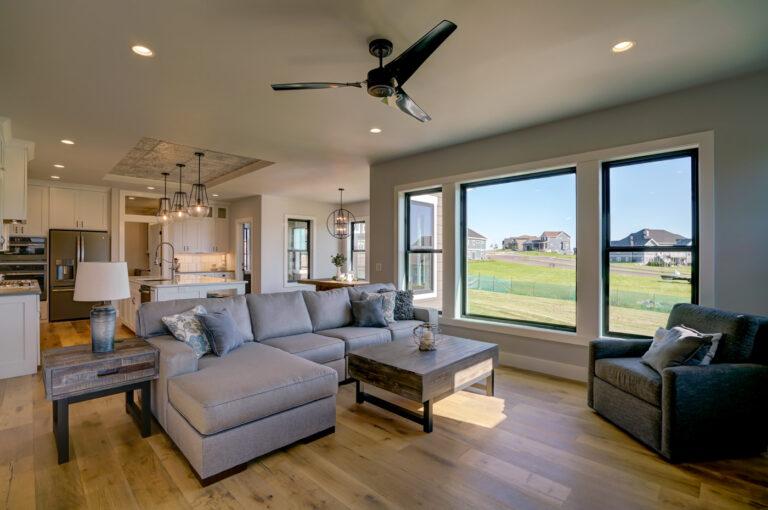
(278, 388)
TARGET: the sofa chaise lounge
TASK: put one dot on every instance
(276, 389)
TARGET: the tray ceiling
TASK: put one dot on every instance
(150, 157)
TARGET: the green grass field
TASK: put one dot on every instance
(639, 299)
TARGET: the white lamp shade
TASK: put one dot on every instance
(101, 281)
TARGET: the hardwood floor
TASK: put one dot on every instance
(534, 445)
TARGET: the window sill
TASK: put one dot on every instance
(551, 335)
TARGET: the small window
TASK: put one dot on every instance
(358, 248)
(424, 246)
(299, 250)
(650, 240)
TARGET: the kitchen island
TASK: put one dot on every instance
(185, 286)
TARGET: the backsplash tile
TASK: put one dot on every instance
(191, 262)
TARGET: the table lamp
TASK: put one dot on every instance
(102, 281)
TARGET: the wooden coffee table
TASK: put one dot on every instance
(426, 377)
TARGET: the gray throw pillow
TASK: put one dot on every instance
(222, 331)
(369, 313)
(403, 304)
(678, 346)
(389, 303)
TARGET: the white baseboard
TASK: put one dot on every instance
(543, 366)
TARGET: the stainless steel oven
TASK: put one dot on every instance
(26, 271)
(26, 259)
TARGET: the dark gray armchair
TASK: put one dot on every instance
(689, 412)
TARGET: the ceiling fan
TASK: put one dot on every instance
(386, 81)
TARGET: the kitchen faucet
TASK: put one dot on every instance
(174, 262)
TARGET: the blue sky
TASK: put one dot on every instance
(646, 195)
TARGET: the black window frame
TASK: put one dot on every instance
(571, 170)
(607, 249)
(308, 250)
(352, 249)
(408, 250)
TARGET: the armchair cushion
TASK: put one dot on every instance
(632, 376)
(738, 330)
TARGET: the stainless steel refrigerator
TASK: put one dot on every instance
(67, 249)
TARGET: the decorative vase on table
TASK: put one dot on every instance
(100, 282)
(339, 274)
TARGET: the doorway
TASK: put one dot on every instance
(137, 248)
(244, 251)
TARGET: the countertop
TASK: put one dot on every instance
(184, 280)
(206, 272)
(19, 291)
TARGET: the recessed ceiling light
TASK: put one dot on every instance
(142, 50)
(55, 177)
(67, 142)
(58, 165)
(131, 198)
(623, 46)
(150, 187)
(214, 194)
(375, 130)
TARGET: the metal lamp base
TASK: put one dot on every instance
(103, 328)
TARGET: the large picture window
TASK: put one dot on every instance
(424, 246)
(358, 248)
(650, 240)
(519, 249)
(299, 250)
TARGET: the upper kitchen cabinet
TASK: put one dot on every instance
(14, 156)
(82, 209)
(37, 213)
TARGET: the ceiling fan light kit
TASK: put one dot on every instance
(386, 81)
(199, 206)
(339, 222)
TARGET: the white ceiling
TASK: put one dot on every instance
(66, 71)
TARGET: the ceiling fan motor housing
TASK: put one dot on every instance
(381, 83)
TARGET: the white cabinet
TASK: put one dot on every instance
(37, 213)
(197, 235)
(79, 209)
(14, 186)
(20, 345)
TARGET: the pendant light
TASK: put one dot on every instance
(164, 206)
(340, 220)
(180, 202)
(199, 207)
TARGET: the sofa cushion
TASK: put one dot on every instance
(257, 382)
(402, 329)
(329, 308)
(632, 376)
(738, 330)
(356, 338)
(356, 293)
(151, 314)
(278, 314)
(317, 348)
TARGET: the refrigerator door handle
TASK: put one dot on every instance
(82, 248)
(64, 289)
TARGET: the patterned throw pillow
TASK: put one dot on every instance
(186, 328)
(389, 302)
(403, 304)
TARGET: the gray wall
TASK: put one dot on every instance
(735, 109)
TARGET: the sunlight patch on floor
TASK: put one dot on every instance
(472, 408)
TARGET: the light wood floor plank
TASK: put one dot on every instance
(536, 445)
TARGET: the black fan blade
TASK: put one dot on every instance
(313, 85)
(407, 105)
(411, 59)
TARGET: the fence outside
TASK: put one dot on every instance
(621, 298)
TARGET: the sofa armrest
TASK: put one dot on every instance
(429, 315)
(714, 411)
(176, 358)
(611, 348)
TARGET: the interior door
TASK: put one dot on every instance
(94, 247)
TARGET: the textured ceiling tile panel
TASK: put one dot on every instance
(150, 157)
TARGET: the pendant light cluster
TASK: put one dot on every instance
(339, 222)
(183, 206)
